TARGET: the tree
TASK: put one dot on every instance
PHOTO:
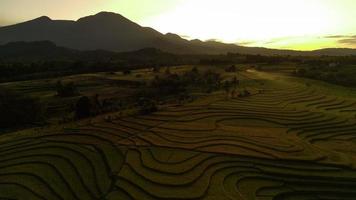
(244, 93)
(83, 107)
(146, 106)
(232, 68)
(195, 70)
(235, 82)
(168, 71)
(168, 85)
(212, 80)
(126, 72)
(156, 69)
(227, 88)
(66, 90)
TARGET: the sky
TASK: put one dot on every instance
(283, 24)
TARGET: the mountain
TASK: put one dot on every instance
(48, 51)
(41, 50)
(113, 32)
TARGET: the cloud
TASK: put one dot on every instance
(344, 39)
(3, 21)
(187, 37)
(336, 36)
(264, 42)
(213, 40)
(246, 43)
(350, 41)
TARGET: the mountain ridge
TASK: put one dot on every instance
(113, 32)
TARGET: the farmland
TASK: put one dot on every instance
(291, 138)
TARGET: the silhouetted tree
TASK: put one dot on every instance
(232, 68)
(126, 72)
(235, 82)
(195, 70)
(83, 107)
(227, 88)
(212, 80)
(66, 90)
(146, 106)
(168, 71)
(156, 69)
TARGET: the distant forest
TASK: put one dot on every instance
(37, 60)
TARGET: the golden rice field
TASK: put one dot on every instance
(288, 141)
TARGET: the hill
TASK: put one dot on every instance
(113, 32)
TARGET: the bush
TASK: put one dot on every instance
(18, 110)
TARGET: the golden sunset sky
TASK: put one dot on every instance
(285, 24)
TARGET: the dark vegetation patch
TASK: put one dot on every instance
(341, 75)
(18, 110)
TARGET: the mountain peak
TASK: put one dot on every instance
(173, 36)
(108, 14)
(42, 19)
(104, 16)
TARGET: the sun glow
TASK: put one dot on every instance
(258, 21)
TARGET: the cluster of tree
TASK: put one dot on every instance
(70, 62)
(232, 58)
(175, 86)
(207, 81)
(66, 90)
(146, 106)
(337, 75)
(86, 107)
(47, 60)
(17, 71)
(231, 68)
(235, 58)
(18, 110)
(91, 106)
(232, 89)
(30, 58)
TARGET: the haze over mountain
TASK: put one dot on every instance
(113, 32)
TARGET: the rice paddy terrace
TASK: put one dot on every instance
(288, 140)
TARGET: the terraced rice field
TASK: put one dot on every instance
(288, 141)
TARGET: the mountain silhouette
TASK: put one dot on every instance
(113, 32)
